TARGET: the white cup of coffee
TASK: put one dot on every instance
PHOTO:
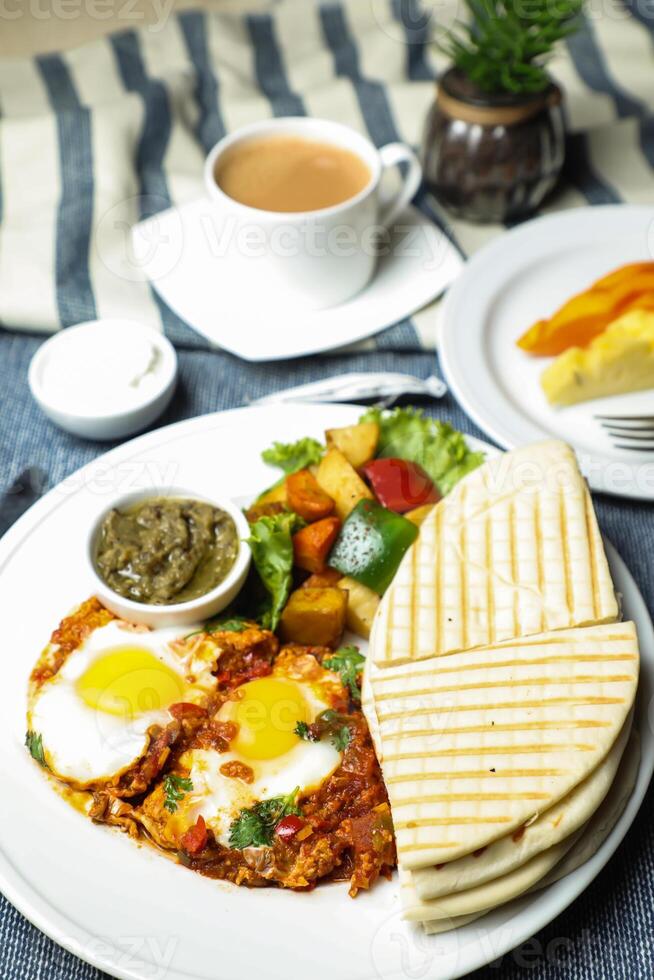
(302, 199)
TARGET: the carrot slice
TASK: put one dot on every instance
(312, 544)
(306, 497)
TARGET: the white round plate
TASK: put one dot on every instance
(125, 908)
(520, 277)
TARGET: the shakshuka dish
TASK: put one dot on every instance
(248, 759)
(239, 745)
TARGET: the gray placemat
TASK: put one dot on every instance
(607, 931)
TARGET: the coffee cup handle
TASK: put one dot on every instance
(391, 156)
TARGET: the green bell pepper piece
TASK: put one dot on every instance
(371, 545)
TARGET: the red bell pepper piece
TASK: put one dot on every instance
(195, 839)
(288, 826)
(400, 485)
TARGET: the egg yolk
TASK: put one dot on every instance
(129, 681)
(266, 713)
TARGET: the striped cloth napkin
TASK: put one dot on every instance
(95, 139)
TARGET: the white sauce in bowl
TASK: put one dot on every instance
(105, 369)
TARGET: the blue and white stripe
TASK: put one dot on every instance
(94, 139)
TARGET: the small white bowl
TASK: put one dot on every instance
(104, 425)
(180, 613)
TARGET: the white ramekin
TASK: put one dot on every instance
(106, 425)
(181, 613)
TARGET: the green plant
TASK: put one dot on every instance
(504, 46)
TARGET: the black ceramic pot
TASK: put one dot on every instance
(492, 158)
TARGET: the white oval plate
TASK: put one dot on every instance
(125, 908)
(516, 279)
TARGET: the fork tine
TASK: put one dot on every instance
(636, 441)
(622, 432)
(625, 418)
(636, 427)
(637, 434)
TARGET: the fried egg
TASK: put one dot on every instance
(94, 714)
(266, 758)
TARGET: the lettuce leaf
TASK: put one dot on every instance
(293, 456)
(272, 554)
(407, 433)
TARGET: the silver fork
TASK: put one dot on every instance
(635, 431)
(383, 386)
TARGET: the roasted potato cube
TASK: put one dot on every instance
(418, 514)
(322, 580)
(340, 480)
(362, 605)
(357, 442)
(256, 511)
(314, 617)
(276, 495)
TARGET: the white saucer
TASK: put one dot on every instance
(185, 255)
(516, 279)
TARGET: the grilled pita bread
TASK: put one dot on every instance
(548, 829)
(486, 896)
(514, 549)
(475, 745)
(604, 820)
(436, 926)
(587, 844)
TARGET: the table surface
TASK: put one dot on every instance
(607, 932)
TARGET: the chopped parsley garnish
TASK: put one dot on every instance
(341, 738)
(34, 743)
(347, 662)
(327, 719)
(330, 723)
(303, 731)
(255, 827)
(175, 789)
